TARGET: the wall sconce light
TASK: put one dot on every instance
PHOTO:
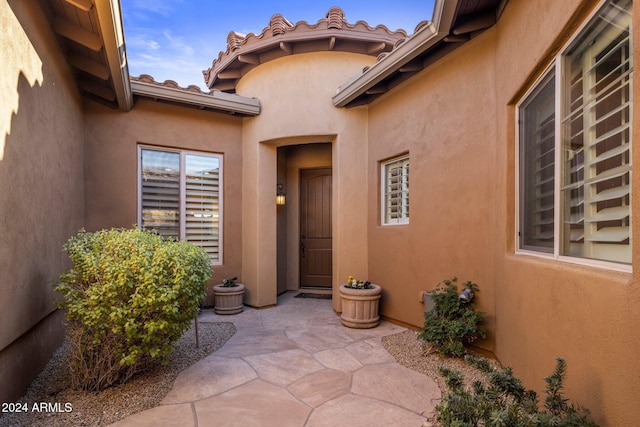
(280, 196)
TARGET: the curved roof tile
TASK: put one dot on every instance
(146, 78)
(281, 38)
(169, 91)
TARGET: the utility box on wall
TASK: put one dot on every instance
(428, 302)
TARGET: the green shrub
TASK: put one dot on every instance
(503, 401)
(452, 322)
(130, 295)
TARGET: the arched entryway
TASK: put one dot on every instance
(304, 223)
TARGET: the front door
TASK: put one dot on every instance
(315, 228)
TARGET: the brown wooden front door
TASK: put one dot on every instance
(315, 228)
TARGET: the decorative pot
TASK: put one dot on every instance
(360, 307)
(228, 299)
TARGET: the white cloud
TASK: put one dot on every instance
(160, 7)
(142, 42)
(178, 44)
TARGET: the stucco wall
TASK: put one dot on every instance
(448, 132)
(41, 189)
(295, 93)
(548, 309)
(112, 170)
(457, 121)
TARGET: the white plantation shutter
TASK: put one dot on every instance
(160, 192)
(202, 203)
(592, 110)
(537, 151)
(396, 191)
(181, 197)
(597, 143)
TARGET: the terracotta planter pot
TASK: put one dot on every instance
(228, 300)
(360, 307)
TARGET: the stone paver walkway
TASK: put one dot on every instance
(295, 365)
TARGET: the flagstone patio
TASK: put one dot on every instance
(295, 365)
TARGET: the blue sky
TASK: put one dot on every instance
(177, 39)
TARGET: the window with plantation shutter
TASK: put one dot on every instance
(537, 166)
(202, 200)
(160, 192)
(395, 191)
(591, 120)
(180, 197)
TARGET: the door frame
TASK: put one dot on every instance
(303, 241)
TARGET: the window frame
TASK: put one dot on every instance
(384, 221)
(557, 67)
(182, 192)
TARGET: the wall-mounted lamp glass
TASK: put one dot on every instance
(280, 196)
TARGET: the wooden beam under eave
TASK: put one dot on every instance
(478, 22)
(98, 90)
(229, 74)
(90, 66)
(376, 48)
(249, 59)
(286, 48)
(411, 68)
(224, 86)
(376, 90)
(84, 5)
(77, 34)
(457, 39)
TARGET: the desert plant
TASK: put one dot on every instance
(129, 296)
(230, 283)
(503, 400)
(453, 321)
(353, 283)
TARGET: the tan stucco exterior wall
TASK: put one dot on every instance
(41, 189)
(548, 309)
(448, 133)
(457, 121)
(295, 93)
(112, 165)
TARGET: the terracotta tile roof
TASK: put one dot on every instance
(169, 91)
(281, 38)
(146, 78)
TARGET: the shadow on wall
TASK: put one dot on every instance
(19, 57)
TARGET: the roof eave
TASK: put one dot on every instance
(110, 19)
(426, 37)
(226, 102)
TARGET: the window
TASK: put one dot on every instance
(395, 191)
(180, 196)
(575, 146)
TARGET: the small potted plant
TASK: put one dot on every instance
(228, 297)
(360, 303)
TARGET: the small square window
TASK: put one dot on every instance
(395, 191)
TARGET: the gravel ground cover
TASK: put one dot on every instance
(414, 353)
(148, 389)
(102, 408)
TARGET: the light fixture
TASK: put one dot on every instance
(280, 196)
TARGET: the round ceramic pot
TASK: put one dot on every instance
(228, 300)
(360, 307)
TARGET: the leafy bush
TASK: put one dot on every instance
(503, 401)
(130, 295)
(452, 322)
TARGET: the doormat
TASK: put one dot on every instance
(313, 296)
